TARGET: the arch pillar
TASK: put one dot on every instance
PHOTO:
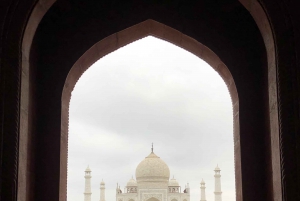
(262, 21)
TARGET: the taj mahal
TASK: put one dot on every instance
(153, 183)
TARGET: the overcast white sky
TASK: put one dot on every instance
(150, 91)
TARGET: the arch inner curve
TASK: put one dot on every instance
(125, 37)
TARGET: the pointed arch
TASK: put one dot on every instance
(127, 36)
(153, 199)
(40, 9)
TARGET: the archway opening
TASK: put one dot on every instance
(39, 11)
(167, 110)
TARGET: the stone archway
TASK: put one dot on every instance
(127, 36)
(42, 7)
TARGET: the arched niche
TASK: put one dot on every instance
(153, 199)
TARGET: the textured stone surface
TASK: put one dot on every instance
(152, 168)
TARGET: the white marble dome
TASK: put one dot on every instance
(173, 182)
(131, 182)
(152, 168)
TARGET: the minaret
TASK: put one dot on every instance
(218, 192)
(102, 191)
(202, 187)
(87, 190)
(117, 192)
(188, 188)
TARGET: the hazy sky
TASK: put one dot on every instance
(150, 91)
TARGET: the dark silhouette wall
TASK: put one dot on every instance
(70, 28)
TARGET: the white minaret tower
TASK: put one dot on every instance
(202, 187)
(87, 191)
(102, 191)
(188, 188)
(218, 192)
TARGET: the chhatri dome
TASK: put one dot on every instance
(131, 182)
(173, 182)
(88, 169)
(152, 168)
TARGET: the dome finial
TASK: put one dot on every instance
(152, 148)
